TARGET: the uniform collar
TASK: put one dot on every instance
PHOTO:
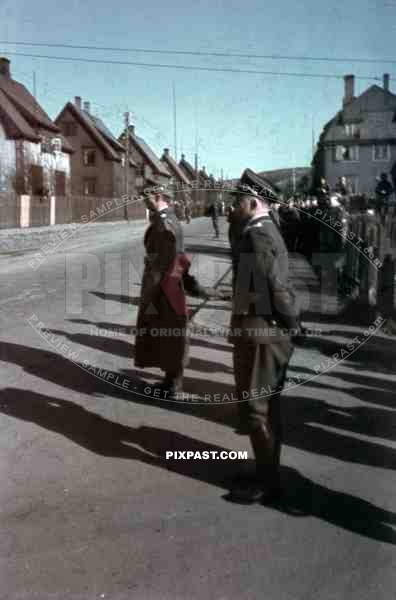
(259, 217)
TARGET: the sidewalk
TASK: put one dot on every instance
(19, 240)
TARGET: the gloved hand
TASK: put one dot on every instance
(218, 294)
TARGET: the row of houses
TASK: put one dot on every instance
(57, 171)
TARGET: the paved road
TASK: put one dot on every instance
(90, 507)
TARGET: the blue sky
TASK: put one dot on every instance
(239, 120)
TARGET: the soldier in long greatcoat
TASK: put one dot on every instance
(263, 326)
(163, 304)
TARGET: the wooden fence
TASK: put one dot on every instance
(9, 214)
(370, 260)
(38, 211)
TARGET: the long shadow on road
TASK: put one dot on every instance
(107, 438)
(304, 417)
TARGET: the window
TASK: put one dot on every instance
(45, 144)
(60, 183)
(69, 128)
(352, 130)
(89, 157)
(381, 152)
(37, 180)
(347, 153)
(89, 186)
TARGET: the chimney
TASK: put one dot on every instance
(5, 67)
(183, 157)
(132, 129)
(87, 107)
(349, 86)
(77, 102)
(166, 151)
(385, 80)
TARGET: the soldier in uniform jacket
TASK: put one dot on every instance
(163, 304)
(263, 327)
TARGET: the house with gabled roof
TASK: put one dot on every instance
(179, 183)
(98, 166)
(359, 142)
(201, 184)
(150, 170)
(187, 168)
(34, 158)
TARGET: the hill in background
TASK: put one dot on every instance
(283, 178)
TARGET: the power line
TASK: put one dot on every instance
(202, 53)
(188, 68)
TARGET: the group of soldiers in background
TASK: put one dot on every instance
(301, 225)
(300, 218)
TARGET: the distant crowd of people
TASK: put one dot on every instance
(301, 223)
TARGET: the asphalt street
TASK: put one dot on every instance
(90, 506)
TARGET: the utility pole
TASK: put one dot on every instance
(196, 192)
(126, 166)
(313, 139)
(174, 119)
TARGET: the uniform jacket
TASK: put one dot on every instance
(262, 292)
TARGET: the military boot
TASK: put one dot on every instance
(266, 447)
(173, 384)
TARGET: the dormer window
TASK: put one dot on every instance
(352, 130)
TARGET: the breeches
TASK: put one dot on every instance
(260, 371)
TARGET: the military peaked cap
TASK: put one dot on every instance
(255, 185)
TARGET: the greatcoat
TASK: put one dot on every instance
(163, 305)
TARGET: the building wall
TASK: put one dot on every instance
(372, 117)
(7, 162)
(102, 171)
(33, 155)
(143, 167)
(119, 180)
(365, 170)
(8, 197)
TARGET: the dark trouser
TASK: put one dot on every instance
(260, 370)
(215, 223)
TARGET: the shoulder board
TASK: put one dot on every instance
(259, 223)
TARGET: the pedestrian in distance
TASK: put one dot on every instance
(322, 192)
(383, 192)
(213, 213)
